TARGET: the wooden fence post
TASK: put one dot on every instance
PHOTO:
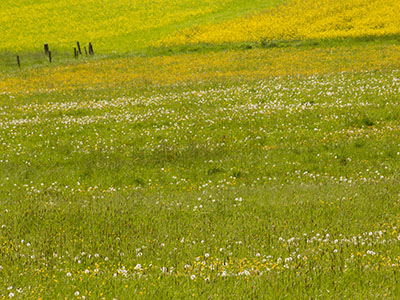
(75, 53)
(91, 52)
(50, 56)
(19, 63)
(79, 48)
(46, 49)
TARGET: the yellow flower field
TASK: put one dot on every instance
(300, 20)
(214, 66)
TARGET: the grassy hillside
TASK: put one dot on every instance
(121, 25)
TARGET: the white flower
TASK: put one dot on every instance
(206, 255)
(138, 267)
(69, 274)
(76, 293)
(87, 271)
(11, 295)
(193, 277)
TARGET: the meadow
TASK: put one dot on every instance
(256, 172)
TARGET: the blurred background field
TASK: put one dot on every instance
(131, 26)
(120, 26)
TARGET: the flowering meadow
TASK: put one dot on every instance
(203, 176)
(246, 172)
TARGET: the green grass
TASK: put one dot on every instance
(279, 188)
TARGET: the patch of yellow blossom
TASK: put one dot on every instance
(301, 20)
(213, 66)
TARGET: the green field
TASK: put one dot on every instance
(251, 171)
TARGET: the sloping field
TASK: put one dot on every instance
(301, 20)
(120, 25)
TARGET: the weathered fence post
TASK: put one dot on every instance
(79, 48)
(50, 56)
(85, 51)
(19, 63)
(91, 52)
(46, 49)
(75, 53)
